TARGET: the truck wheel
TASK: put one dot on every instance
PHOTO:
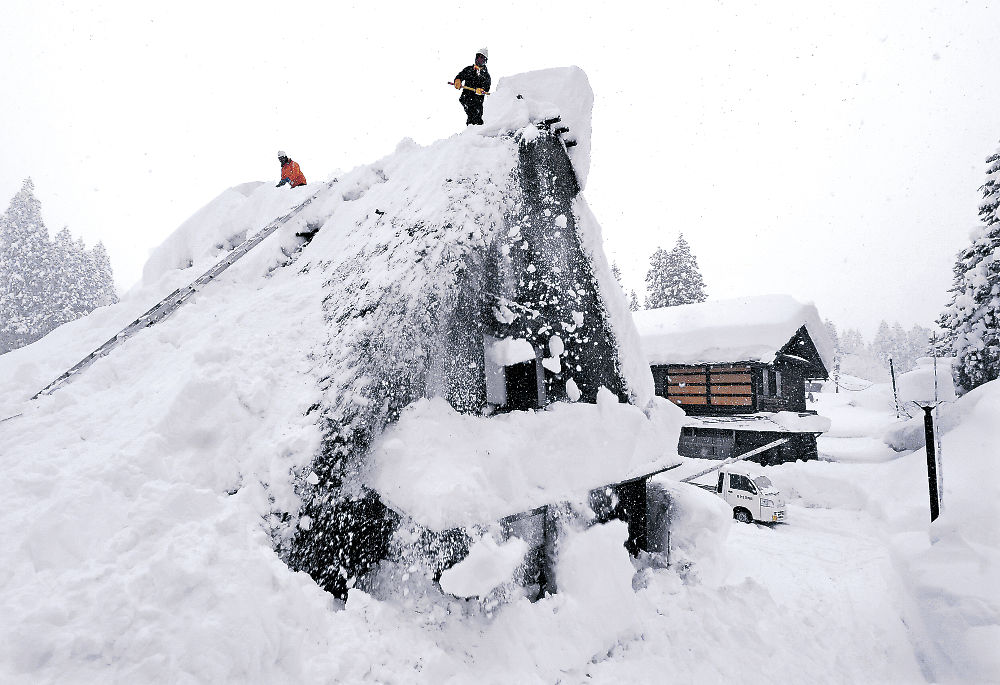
(742, 515)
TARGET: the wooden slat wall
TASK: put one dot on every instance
(724, 385)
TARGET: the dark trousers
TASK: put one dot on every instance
(473, 110)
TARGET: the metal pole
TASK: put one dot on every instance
(932, 483)
(940, 452)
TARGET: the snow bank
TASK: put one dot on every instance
(447, 470)
(801, 423)
(951, 563)
(946, 568)
(742, 329)
(924, 384)
(564, 92)
(920, 386)
(699, 523)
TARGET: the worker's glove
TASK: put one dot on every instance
(458, 84)
(283, 182)
(480, 91)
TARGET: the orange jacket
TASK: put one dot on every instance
(293, 173)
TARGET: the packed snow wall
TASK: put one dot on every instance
(409, 313)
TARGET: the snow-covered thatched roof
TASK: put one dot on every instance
(744, 329)
(276, 379)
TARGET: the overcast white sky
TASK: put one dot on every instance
(832, 151)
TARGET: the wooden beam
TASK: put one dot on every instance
(730, 377)
(689, 399)
(731, 400)
(731, 390)
(686, 389)
(687, 377)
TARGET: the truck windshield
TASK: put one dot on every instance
(762, 482)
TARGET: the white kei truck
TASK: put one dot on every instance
(751, 494)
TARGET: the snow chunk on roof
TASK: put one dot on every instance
(448, 470)
(510, 351)
(564, 92)
(742, 329)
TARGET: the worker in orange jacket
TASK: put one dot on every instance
(290, 172)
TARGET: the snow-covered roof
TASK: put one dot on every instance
(320, 346)
(754, 328)
(562, 91)
(764, 422)
(449, 470)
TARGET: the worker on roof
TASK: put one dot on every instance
(290, 172)
(474, 82)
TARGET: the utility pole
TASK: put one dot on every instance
(895, 395)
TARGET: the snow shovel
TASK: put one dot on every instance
(452, 84)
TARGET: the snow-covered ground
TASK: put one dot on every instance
(120, 566)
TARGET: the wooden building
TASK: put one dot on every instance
(739, 369)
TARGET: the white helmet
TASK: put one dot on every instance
(484, 52)
(281, 153)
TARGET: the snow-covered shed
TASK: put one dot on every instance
(742, 362)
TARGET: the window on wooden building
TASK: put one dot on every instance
(523, 390)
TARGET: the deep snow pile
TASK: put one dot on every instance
(947, 567)
(449, 470)
(561, 92)
(140, 496)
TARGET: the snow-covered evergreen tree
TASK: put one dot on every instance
(66, 302)
(918, 340)
(633, 302)
(972, 316)
(104, 290)
(25, 271)
(852, 342)
(633, 299)
(883, 345)
(43, 283)
(831, 329)
(673, 277)
(617, 273)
